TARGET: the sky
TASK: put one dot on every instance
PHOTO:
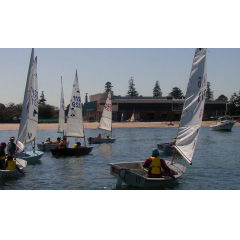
(170, 66)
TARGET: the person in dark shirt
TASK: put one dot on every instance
(2, 155)
(11, 147)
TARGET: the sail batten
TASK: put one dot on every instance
(61, 118)
(106, 119)
(193, 108)
(75, 119)
(29, 116)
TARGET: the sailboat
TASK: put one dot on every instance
(224, 123)
(61, 121)
(191, 119)
(105, 124)
(75, 126)
(132, 118)
(29, 118)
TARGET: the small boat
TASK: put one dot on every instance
(75, 127)
(133, 174)
(132, 118)
(7, 174)
(105, 124)
(29, 116)
(167, 148)
(47, 147)
(223, 124)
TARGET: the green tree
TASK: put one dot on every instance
(157, 92)
(222, 98)
(234, 106)
(42, 99)
(47, 111)
(176, 93)
(209, 93)
(108, 87)
(131, 89)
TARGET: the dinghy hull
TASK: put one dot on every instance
(100, 140)
(31, 156)
(166, 148)
(224, 126)
(134, 175)
(68, 152)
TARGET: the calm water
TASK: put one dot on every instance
(216, 163)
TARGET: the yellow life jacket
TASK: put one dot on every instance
(2, 157)
(11, 165)
(75, 146)
(155, 165)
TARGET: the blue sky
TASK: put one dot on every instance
(170, 66)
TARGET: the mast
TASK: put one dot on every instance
(193, 109)
(61, 117)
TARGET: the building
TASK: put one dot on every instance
(146, 108)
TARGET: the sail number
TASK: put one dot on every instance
(108, 107)
(34, 97)
(76, 103)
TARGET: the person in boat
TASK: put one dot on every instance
(157, 167)
(76, 145)
(58, 141)
(99, 136)
(10, 163)
(11, 147)
(63, 143)
(2, 155)
(48, 141)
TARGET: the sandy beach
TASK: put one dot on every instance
(94, 125)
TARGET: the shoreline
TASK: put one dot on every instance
(94, 125)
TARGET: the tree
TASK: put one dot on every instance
(108, 87)
(176, 93)
(234, 107)
(131, 89)
(209, 93)
(157, 92)
(47, 111)
(222, 98)
(42, 99)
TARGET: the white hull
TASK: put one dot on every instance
(31, 156)
(100, 140)
(223, 126)
(7, 174)
(134, 175)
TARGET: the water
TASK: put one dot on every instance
(216, 163)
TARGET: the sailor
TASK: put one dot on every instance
(63, 143)
(76, 145)
(99, 136)
(48, 141)
(157, 167)
(11, 147)
(2, 155)
(58, 141)
(10, 163)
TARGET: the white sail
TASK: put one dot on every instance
(61, 118)
(106, 119)
(193, 108)
(75, 119)
(132, 119)
(29, 117)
